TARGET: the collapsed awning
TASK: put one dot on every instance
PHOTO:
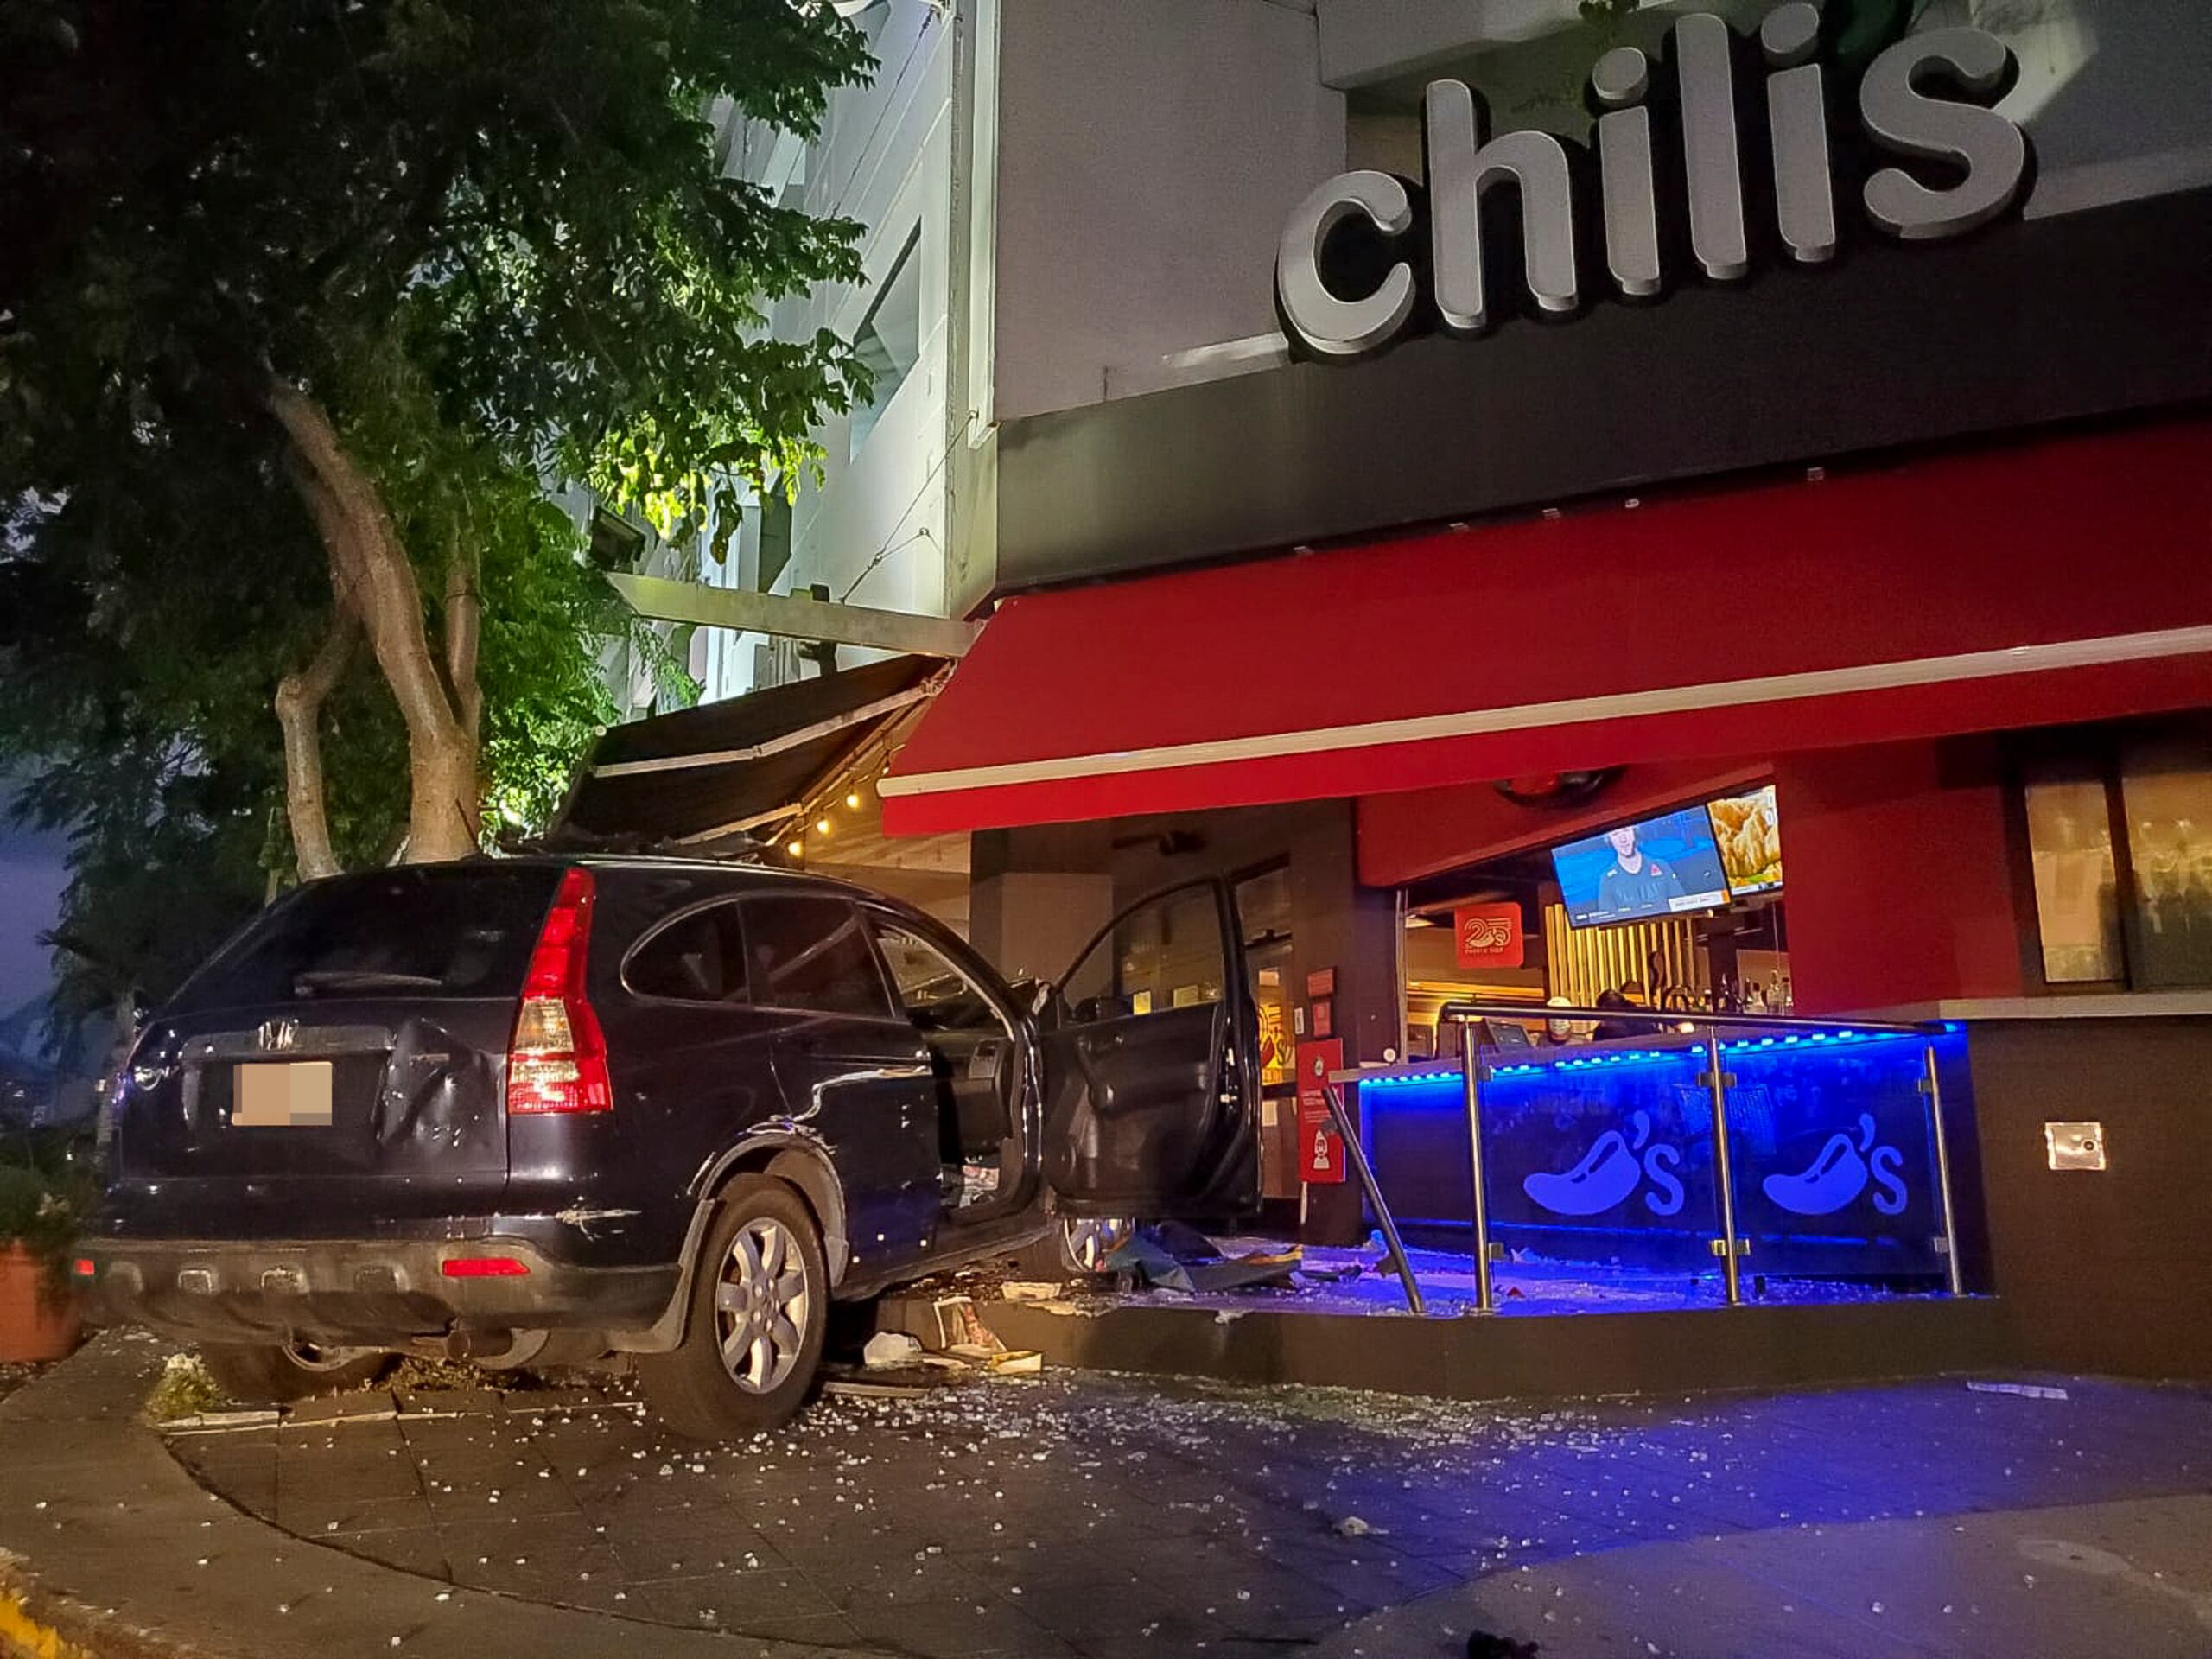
(2064, 580)
(743, 764)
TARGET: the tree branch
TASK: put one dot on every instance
(463, 630)
(300, 697)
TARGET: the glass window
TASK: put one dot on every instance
(935, 995)
(812, 952)
(1166, 954)
(2077, 893)
(695, 958)
(461, 932)
(889, 340)
(2166, 793)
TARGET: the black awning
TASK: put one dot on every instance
(739, 764)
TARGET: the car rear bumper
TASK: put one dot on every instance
(376, 1293)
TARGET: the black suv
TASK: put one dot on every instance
(521, 1110)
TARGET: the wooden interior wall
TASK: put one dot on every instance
(1588, 960)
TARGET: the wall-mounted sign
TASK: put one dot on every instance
(1370, 257)
(1487, 935)
(1321, 1148)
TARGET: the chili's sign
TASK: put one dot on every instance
(1368, 257)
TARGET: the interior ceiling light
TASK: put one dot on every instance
(796, 848)
(822, 826)
(853, 800)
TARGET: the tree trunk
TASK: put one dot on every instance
(464, 629)
(372, 577)
(300, 697)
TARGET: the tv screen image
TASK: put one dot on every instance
(1660, 867)
(1748, 831)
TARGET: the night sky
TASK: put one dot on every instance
(30, 887)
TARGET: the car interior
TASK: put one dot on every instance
(974, 1054)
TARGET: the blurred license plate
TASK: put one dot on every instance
(293, 1095)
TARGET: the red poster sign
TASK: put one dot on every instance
(1487, 935)
(1321, 1148)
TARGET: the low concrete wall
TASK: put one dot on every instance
(1515, 1357)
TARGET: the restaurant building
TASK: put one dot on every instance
(1788, 443)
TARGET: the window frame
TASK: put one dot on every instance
(908, 259)
(2101, 749)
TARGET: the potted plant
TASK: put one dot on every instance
(39, 1316)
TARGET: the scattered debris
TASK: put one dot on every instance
(1024, 1290)
(1352, 1527)
(2025, 1390)
(1173, 1257)
(211, 1421)
(1482, 1645)
(854, 1388)
(888, 1350)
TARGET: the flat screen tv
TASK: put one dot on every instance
(1665, 866)
(1748, 831)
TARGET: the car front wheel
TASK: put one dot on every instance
(758, 1314)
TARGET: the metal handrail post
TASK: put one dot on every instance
(1954, 1275)
(1724, 1175)
(1469, 1049)
(1358, 1153)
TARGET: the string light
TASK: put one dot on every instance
(822, 826)
(796, 848)
(853, 800)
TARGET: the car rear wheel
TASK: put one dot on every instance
(252, 1375)
(759, 1315)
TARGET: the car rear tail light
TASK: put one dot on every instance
(84, 1268)
(482, 1266)
(557, 1059)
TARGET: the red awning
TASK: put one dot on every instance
(2065, 580)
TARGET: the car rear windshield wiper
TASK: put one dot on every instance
(361, 979)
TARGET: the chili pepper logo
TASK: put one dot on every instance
(1840, 1172)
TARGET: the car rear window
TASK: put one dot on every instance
(428, 931)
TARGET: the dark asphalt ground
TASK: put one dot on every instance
(1101, 1516)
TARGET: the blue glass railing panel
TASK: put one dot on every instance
(1604, 1154)
(1836, 1162)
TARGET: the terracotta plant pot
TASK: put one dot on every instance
(34, 1326)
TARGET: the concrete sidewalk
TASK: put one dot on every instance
(118, 1551)
(1093, 1517)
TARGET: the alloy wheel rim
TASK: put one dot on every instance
(762, 1305)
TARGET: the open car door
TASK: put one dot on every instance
(1151, 1066)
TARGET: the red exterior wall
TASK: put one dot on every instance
(1898, 876)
